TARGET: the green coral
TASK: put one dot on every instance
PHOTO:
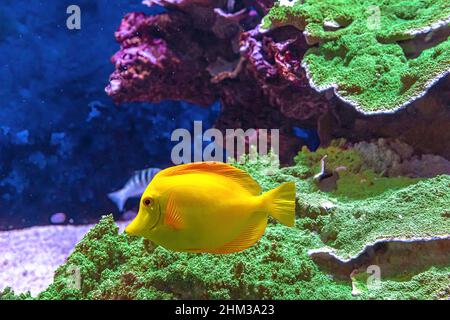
(362, 58)
(431, 284)
(337, 156)
(116, 266)
(368, 184)
(413, 211)
(356, 179)
(8, 294)
(353, 216)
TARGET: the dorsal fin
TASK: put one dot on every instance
(172, 216)
(237, 175)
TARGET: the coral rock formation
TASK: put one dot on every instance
(423, 125)
(202, 51)
(359, 49)
(147, 63)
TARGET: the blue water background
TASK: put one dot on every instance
(63, 143)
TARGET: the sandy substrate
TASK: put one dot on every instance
(29, 257)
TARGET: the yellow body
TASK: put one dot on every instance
(209, 207)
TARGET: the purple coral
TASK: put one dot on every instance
(201, 51)
(157, 61)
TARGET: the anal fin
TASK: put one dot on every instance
(251, 234)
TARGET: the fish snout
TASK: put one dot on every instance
(133, 228)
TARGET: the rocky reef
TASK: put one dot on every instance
(346, 70)
(352, 215)
(373, 56)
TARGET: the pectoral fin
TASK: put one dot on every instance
(251, 234)
(173, 216)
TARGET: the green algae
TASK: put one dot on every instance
(116, 266)
(397, 19)
(362, 57)
(107, 264)
(8, 294)
(353, 216)
(368, 184)
(337, 156)
(356, 179)
(411, 212)
(431, 284)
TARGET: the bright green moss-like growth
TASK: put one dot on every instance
(8, 294)
(356, 179)
(431, 284)
(411, 212)
(337, 156)
(115, 266)
(366, 206)
(359, 51)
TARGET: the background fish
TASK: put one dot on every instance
(134, 187)
(209, 207)
(309, 136)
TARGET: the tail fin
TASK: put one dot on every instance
(281, 203)
(118, 198)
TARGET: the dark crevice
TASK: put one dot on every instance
(396, 258)
(412, 48)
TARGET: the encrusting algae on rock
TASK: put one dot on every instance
(280, 266)
(360, 49)
(135, 269)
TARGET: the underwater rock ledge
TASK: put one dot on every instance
(393, 256)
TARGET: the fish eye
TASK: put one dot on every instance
(147, 202)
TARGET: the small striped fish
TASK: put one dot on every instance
(134, 187)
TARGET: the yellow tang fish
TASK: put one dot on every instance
(209, 207)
